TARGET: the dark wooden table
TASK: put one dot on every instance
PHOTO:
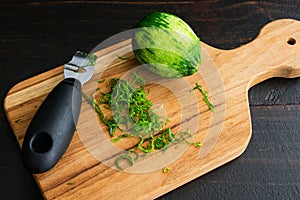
(36, 36)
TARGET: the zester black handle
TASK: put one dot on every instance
(51, 129)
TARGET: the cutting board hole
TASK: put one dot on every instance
(291, 41)
(41, 143)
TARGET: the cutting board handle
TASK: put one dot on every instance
(275, 52)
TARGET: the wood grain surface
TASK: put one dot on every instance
(86, 164)
(37, 36)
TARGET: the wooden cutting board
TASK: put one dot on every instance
(87, 169)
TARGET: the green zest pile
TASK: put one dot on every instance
(131, 110)
(132, 114)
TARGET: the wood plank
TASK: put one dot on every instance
(281, 91)
(268, 56)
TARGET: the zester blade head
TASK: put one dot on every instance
(81, 67)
